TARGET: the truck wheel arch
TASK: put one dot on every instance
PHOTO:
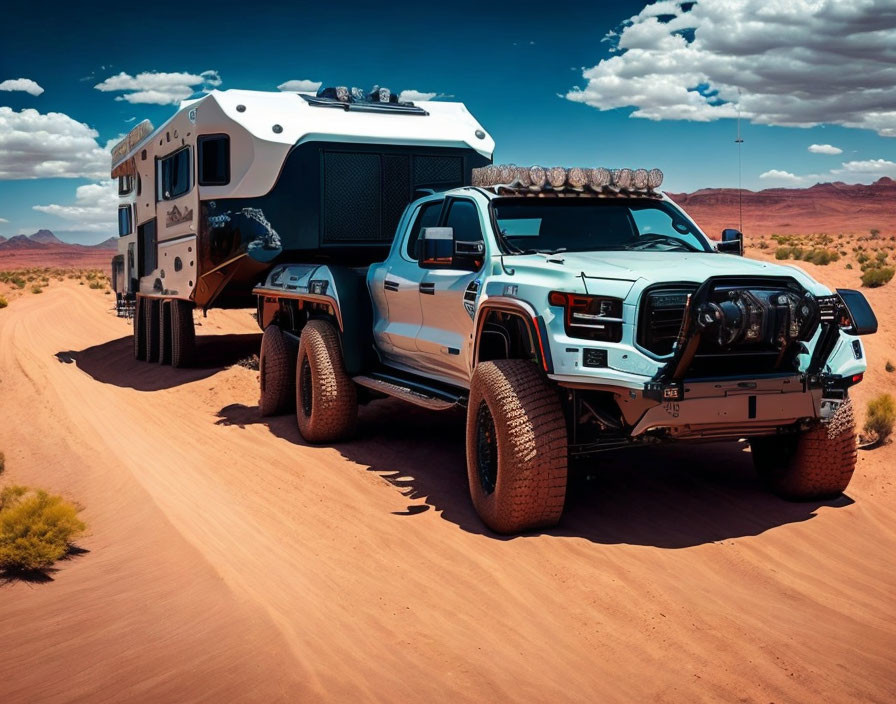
(506, 328)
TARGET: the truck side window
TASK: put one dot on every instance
(427, 217)
(464, 218)
(214, 159)
(174, 175)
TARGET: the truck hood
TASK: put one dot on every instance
(656, 267)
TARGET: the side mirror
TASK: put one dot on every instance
(439, 250)
(864, 322)
(732, 242)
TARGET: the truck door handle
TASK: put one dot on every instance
(390, 285)
(428, 288)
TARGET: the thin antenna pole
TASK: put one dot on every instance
(740, 191)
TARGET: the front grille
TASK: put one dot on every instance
(662, 310)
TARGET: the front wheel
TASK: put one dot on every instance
(326, 398)
(815, 464)
(516, 447)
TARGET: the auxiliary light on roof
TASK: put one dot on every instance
(558, 180)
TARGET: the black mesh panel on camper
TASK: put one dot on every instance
(445, 171)
(396, 191)
(352, 187)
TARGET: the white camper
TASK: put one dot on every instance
(237, 181)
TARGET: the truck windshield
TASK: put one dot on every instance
(530, 225)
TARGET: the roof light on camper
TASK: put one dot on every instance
(654, 178)
(639, 179)
(557, 177)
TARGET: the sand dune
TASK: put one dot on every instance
(229, 561)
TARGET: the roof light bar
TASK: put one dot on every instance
(559, 180)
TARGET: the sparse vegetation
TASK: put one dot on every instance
(874, 277)
(36, 528)
(889, 367)
(881, 417)
(36, 289)
(2, 462)
(3, 302)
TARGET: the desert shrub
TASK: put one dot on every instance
(762, 244)
(3, 302)
(875, 233)
(889, 367)
(881, 417)
(849, 266)
(36, 528)
(36, 289)
(2, 462)
(17, 281)
(822, 257)
(80, 283)
(96, 284)
(783, 252)
(874, 277)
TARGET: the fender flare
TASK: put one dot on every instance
(534, 324)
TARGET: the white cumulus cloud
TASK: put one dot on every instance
(51, 145)
(95, 209)
(781, 176)
(157, 88)
(3, 220)
(882, 167)
(409, 96)
(824, 149)
(789, 62)
(25, 85)
(303, 85)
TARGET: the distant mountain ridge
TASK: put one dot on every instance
(823, 208)
(45, 239)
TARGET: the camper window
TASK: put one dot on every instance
(214, 159)
(124, 220)
(125, 185)
(174, 175)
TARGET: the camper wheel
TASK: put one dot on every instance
(183, 334)
(151, 319)
(139, 330)
(165, 332)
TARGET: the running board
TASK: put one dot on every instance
(418, 394)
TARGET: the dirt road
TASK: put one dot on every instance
(229, 561)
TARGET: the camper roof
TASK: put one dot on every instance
(293, 118)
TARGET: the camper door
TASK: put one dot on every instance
(176, 194)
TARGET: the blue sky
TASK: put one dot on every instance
(554, 83)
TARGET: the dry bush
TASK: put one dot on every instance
(36, 528)
(95, 283)
(880, 417)
(3, 302)
(874, 277)
(889, 367)
(2, 462)
(36, 289)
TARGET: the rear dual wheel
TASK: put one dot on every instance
(326, 398)
(164, 331)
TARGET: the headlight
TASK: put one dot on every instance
(590, 317)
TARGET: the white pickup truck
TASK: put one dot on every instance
(570, 312)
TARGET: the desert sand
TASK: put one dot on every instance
(227, 560)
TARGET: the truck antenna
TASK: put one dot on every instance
(740, 192)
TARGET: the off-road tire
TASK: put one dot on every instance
(326, 398)
(151, 319)
(815, 464)
(277, 373)
(524, 442)
(165, 332)
(139, 330)
(183, 334)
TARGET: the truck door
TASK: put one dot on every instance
(445, 340)
(401, 288)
